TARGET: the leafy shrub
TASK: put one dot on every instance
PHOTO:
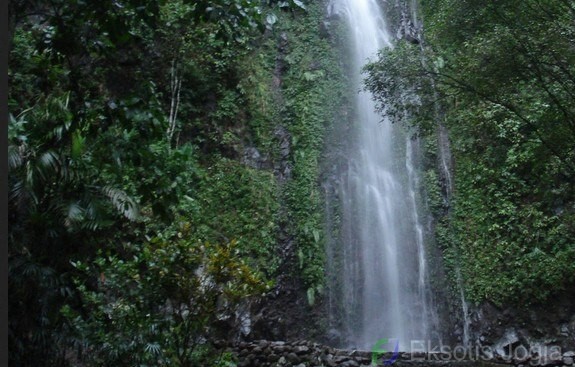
(154, 305)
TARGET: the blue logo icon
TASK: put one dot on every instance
(378, 351)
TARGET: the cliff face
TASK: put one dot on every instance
(311, 99)
(534, 314)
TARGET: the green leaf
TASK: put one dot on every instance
(78, 145)
(271, 19)
(316, 235)
(299, 4)
(311, 296)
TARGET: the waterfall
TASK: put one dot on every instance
(383, 277)
(464, 310)
(445, 169)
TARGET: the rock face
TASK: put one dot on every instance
(282, 168)
(308, 354)
(538, 333)
(407, 30)
(253, 158)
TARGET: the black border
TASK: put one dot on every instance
(4, 44)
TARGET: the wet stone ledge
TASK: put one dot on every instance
(265, 353)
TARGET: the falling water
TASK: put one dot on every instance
(384, 282)
(445, 169)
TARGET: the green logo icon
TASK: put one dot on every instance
(378, 351)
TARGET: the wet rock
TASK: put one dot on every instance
(363, 360)
(293, 358)
(279, 349)
(264, 353)
(417, 355)
(324, 30)
(327, 357)
(284, 138)
(252, 157)
(521, 360)
(360, 353)
(263, 344)
(334, 337)
(301, 349)
(341, 359)
(350, 363)
(546, 360)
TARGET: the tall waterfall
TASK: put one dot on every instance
(383, 281)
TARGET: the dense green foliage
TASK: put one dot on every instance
(130, 123)
(315, 81)
(153, 308)
(500, 76)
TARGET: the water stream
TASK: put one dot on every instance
(384, 286)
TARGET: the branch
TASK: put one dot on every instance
(175, 87)
(456, 83)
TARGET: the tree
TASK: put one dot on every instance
(501, 76)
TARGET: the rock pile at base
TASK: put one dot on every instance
(265, 353)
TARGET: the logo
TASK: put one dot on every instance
(378, 351)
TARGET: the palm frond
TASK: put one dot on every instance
(57, 109)
(48, 165)
(91, 225)
(21, 268)
(122, 202)
(16, 192)
(74, 213)
(14, 157)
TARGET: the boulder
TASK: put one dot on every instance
(293, 358)
(301, 349)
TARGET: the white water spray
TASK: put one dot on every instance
(385, 287)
